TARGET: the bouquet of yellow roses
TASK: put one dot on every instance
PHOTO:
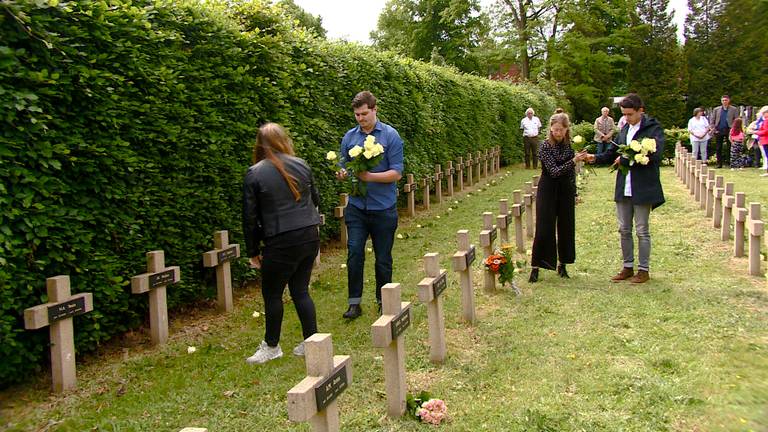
(362, 158)
(636, 152)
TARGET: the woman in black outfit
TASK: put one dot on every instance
(555, 200)
(279, 210)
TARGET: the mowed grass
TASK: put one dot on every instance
(687, 351)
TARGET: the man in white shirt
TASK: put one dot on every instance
(530, 125)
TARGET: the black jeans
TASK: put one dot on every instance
(722, 149)
(290, 265)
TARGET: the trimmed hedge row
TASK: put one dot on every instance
(127, 127)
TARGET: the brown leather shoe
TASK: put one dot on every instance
(624, 274)
(641, 277)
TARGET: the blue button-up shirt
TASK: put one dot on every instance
(379, 196)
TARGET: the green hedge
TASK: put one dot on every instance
(127, 127)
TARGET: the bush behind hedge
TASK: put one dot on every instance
(127, 127)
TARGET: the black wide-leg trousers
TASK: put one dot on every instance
(555, 222)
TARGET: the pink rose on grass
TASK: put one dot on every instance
(433, 411)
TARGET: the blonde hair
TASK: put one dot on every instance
(271, 141)
(563, 120)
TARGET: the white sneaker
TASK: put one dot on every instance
(264, 354)
(298, 350)
(764, 175)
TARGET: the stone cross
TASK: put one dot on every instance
(486, 161)
(700, 191)
(756, 230)
(387, 333)
(725, 225)
(439, 183)
(154, 281)
(478, 162)
(410, 189)
(314, 398)
(487, 237)
(503, 219)
(691, 173)
(717, 207)
(430, 290)
(460, 174)
(425, 184)
(469, 165)
(498, 160)
(220, 258)
(517, 213)
(708, 193)
(462, 262)
(338, 213)
(449, 183)
(695, 179)
(58, 313)
(528, 203)
(740, 216)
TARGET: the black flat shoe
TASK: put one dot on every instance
(353, 312)
(562, 272)
(534, 277)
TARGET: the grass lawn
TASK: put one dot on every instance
(687, 351)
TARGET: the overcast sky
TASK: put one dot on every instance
(353, 20)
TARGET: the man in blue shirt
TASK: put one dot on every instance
(374, 213)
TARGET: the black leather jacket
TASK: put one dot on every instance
(269, 207)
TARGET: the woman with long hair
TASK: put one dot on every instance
(739, 156)
(555, 239)
(280, 214)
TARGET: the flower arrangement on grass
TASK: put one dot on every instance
(636, 152)
(502, 262)
(427, 409)
(359, 159)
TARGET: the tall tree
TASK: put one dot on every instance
(701, 51)
(445, 30)
(313, 23)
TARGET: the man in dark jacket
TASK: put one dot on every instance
(720, 124)
(639, 190)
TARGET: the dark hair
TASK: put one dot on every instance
(632, 101)
(737, 125)
(270, 141)
(559, 110)
(364, 98)
(726, 96)
(697, 110)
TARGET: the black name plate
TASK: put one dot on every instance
(227, 254)
(330, 388)
(163, 278)
(400, 323)
(440, 284)
(470, 255)
(507, 218)
(451, 172)
(493, 234)
(66, 310)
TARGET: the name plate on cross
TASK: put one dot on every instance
(228, 254)
(470, 255)
(328, 390)
(493, 234)
(67, 309)
(440, 284)
(401, 322)
(163, 278)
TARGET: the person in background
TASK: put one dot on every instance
(603, 130)
(720, 124)
(374, 214)
(698, 128)
(531, 126)
(280, 211)
(739, 157)
(620, 124)
(762, 138)
(637, 192)
(759, 151)
(555, 239)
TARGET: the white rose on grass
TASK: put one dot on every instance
(191, 349)
(399, 236)
(355, 151)
(256, 314)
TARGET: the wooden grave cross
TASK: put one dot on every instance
(503, 219)
(425, 185)
(693, 179)
(691, 173)
(486, 161)
(449, 183)
(338, 213)
(410, 188)
(517, 213)
(469, 165)
(725, 225)
(478, 163)
(460, 173)
(717, 207)
(487, 237)
(387, 333)
(430, 290)
(528, 202)
(756, 231)
(699, 194)
(439, 183)
(220, 258)
(708, 193)
(154, 281)
(740, 217)
(462, 264)
(313, 399)
(58, 313)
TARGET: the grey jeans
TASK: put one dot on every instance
(626, 212)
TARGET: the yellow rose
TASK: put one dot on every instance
(578, 139)
(368, 154)
(635, 145)
(370, 139)
(645, 160)
(369, 146)
(331, 155)
(355, 151)
(639, 158)
(649, 145)
(380, 148)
